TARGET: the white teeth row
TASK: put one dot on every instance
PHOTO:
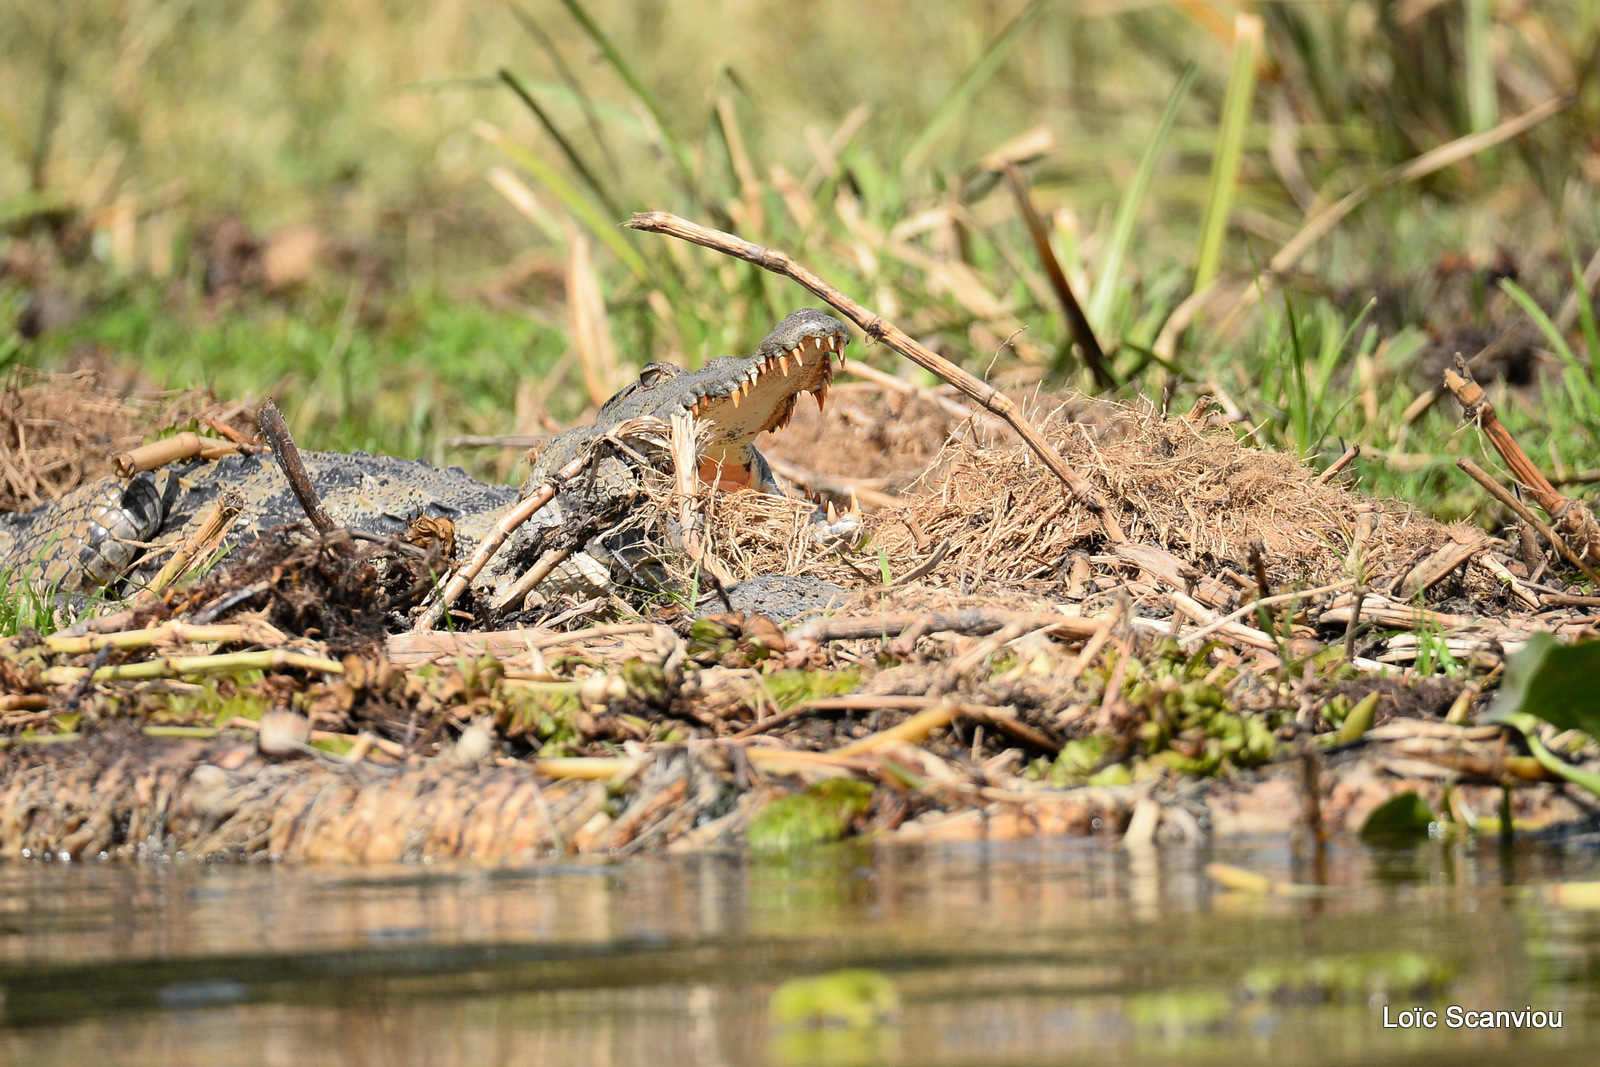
(798, 354)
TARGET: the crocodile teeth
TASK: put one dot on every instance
(735, 395)
(783, 361)
(799, 354)
(821, 393)
(746, 387)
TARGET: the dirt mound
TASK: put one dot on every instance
(1196, 493)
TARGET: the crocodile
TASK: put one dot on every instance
(104, 538)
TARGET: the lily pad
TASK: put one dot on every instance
(1403, 819)
(853, 997)
(1555, 682)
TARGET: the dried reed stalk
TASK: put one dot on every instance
(170, 450)
(200, 544)
(1569, 518)
(687, 485)
(877, 329)
(1500, 493)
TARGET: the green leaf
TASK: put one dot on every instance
(973, 80)
(1230, 148)
(850, 998)
(1403, 819)
(1359, 721)
(1132, 201)
(819, 816)
(1554, 682)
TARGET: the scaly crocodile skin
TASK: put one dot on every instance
(98, 536)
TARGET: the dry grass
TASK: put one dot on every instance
(61, 430)
(1193, 491)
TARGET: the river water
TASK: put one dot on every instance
(1046, 952)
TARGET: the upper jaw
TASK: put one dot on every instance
(759, 393)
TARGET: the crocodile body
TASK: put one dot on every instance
(100, 535)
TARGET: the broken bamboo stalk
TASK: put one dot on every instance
(200, 544)
(1570, 519)
(877, 329)
(1500, 493)
(158, 454)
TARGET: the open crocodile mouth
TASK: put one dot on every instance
(760, 395)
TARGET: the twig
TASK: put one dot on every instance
(859, 702)
(1077, 322)
(276, 431)
(926, 567)
(877, 329)
(1574, 521)
(866, 493)
(503, 529)
(970, 621)
(504, 440)
(1510, 581)
(1567, 600)
(1349, 457)
(887, 381)
(588, 768)
(533, 576)
(912, 731)
(1501, 494)
(238, 437)
(1281, 598)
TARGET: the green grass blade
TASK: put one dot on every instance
(1230, 146)
(583, 209)
(1132, 200)
(1558, 343)
(968, 86)
(591, 111)
(680, 156)
(1482, 99)
(1579, 384)
(566, 146)
(1586, 321)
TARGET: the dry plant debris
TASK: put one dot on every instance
(61, 430)
(1217, 673)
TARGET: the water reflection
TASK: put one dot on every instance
(1017, 953)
